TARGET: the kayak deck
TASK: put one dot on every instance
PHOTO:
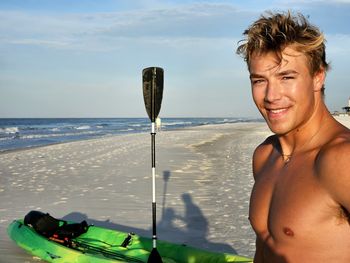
(102, 245)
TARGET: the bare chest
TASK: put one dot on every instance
(289, 205)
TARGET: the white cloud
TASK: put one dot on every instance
(104, 31)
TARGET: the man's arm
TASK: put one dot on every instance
(261, 154)
(333, 169)
(259, 251)
(260, 157)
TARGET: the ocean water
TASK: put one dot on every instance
(25, 133)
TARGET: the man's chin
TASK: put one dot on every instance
(277, 128)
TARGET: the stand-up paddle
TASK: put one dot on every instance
(152, 79)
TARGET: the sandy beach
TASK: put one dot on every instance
(204, 180)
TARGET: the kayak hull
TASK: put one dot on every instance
(102, 245)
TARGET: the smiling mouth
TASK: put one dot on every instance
(276, 113)
(277, 110)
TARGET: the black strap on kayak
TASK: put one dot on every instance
(127, 240)
(87, 247)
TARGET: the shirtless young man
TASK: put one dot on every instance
(300, 202)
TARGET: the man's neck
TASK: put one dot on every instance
(305, 136)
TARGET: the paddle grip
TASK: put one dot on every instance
(154, 221)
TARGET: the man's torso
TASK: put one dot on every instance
(294, 215)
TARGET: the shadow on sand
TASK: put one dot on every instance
(193, 231)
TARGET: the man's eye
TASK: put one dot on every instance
(258, 81)
(287, 77)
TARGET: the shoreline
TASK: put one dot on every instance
(56, 128)
(343, 119)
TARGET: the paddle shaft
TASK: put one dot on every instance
(153, 152)
(154, 206)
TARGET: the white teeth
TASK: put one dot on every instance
(277, 111)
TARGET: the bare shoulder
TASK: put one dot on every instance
(335, 154)
(262, 152)
(332, 166)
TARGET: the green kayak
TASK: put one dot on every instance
(102, 245)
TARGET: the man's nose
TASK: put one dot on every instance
(273, 91)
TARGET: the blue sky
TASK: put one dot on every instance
(84, 58)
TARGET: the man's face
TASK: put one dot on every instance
(283, 90)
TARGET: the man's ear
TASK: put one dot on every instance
(319, 79)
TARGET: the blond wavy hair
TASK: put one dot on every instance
(274, 32)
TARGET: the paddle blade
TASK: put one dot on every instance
(154, 257)
(153, 79)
